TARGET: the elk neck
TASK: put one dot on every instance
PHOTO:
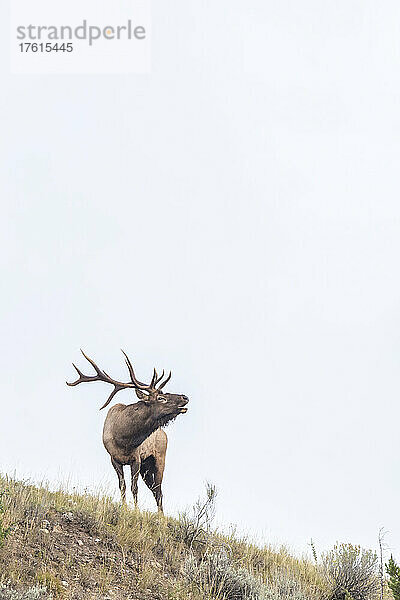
(140, 421)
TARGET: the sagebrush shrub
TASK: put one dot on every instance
(216, 574)
(33, 593)
(351, 573)
(284, 587)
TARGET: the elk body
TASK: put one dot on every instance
(132, 433)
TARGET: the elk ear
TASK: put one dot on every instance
(140, 395)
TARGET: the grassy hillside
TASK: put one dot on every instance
(60, 545)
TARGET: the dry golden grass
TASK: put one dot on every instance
(88, 546)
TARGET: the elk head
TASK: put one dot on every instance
(162, 406)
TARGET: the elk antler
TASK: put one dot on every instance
(118, 385)
(103, 376)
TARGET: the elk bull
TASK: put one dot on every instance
(132, 433)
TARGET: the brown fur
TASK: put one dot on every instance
(121, 436)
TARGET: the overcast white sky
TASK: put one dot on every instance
(233, 216)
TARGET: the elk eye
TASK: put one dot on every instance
(163, 400)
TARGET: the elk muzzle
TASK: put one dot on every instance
(184, 400)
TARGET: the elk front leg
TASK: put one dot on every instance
(121, 479)
(135, 468)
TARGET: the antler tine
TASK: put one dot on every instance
(110, 397)
(159, 378)
(95, 367)
(160, 387)
(154, 379)
(82, 377)
(138, 383)
(77, 370)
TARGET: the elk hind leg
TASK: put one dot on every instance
(152, 475)
(121, 479)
